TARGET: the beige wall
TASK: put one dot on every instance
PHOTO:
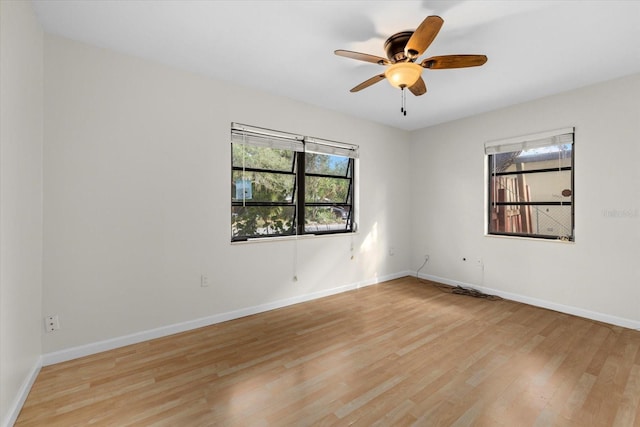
(21, 115)
(597, 276)
(137, 199)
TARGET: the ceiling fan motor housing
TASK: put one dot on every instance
(394, 46)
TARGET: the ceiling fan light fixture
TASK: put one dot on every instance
(403, 74)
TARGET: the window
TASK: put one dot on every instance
(530, 186)
(284, 184)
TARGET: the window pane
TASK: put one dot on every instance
(326, 218)
(540, 181)
(262, 187)
(248, 156)
(326, 164)
(277, 187)
(326, 190)
(533, 159)
(262, 220)
(537, 220)
(533, 187)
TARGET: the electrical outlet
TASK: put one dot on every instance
(51, 323)
(204, 281)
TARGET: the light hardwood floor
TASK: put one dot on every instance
(399, 353)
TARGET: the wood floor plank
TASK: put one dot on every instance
(628, 409)
(403, 352)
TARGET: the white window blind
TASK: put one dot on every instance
(314, 145)
(242, 134)
(527, 142)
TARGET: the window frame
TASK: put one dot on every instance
(512, 145)
(298, 199)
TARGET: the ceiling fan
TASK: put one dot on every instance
(403, 49)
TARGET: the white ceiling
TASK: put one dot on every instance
(535, 48)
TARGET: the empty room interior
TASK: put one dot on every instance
(303, 213)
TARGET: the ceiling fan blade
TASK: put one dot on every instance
(362, 57)
(418, 88)
(423, 36)
(365, 84)
(454, 61)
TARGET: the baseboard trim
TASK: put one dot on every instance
(576, 311)
(23, 392)
(110, 344)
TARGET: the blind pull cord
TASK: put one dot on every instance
(244, 190)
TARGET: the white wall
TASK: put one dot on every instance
(21, 47)
(598, 275)
(137, 199)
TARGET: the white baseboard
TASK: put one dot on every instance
(21, 397)
(100, 346)
(576, 311)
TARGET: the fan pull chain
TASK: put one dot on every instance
(403, 108)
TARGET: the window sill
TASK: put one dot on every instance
(529, 239)
(295, 238)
